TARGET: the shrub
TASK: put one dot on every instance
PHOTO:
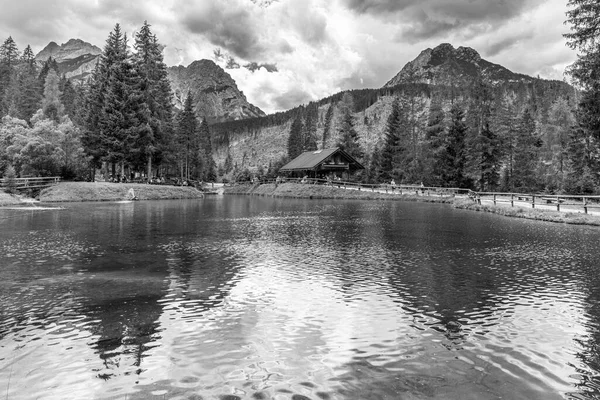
(10, 182)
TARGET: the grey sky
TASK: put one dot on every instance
(310, 48)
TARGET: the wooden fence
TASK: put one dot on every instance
(378, 187)
(575, 203)
(29, 183)
(520, 199)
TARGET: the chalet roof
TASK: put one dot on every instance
(311, 160)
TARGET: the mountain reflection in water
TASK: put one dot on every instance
(243, 297)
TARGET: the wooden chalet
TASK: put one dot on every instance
(322, 163)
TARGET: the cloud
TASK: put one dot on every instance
(230, 25)
(292, 98)
(298, 51)
(437, 18)
(253, 66)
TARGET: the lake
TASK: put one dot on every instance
(241, 297)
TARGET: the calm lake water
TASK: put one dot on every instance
(258, 298)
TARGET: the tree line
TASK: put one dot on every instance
(120, 118)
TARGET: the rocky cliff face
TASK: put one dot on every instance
(73, 49)
(445, 65)
(215, 93)
(76, 59)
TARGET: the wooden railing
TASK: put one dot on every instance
(377, 187)
(29, 183)
(564, 202)
(520, 199)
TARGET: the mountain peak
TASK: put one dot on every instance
(215, 93)
(72, 49)
(446, 65)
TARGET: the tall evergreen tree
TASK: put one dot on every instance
(51, 104)
(156, 92)
(295, 144)
(436, 144)
(456, 155)
(527, 145)
(327, 125)
(483, 145)
(583, 16)
(209, 171)
(9, 57)
(187, 128)
(347, 135)
(9, 53)
(28, 58)
(310, 127)
(391, 151)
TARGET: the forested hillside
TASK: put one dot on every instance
(448, 118)
(466, 123)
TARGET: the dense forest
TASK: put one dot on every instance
(491, 136)
(121, 121)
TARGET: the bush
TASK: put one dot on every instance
(10, 182)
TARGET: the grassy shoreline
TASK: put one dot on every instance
(104, 191)
(295, 190)
(300, 191)
(9, 199)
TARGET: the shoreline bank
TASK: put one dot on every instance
(306, 191)
(295, 190)
(68, 192)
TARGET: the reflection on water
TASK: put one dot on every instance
(240, 297)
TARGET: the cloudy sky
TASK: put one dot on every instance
(296, 51)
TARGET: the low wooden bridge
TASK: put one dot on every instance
(37, 183)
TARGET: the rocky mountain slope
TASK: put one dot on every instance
(76, 59)
(73, 49)
(444, 73)
(215, 93)
(445, 65)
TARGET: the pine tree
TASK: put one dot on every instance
(347, 135)
(49, 64)
(391, 151)
(310, 127)
(456, 155)
(28, 58)
(9, 53)
(527, 145)
(156, 92)
(483, 145)
(51, 104)
(124, 114)
(9, 89)
(583, 16)
(91, 117)
(209, 172)
(187, 128)
(295, 144)
(327, 127)
(436, 145)
(68, 97)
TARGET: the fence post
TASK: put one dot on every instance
(557, 203)
(494, 198)
(585, 205)
(512, 200)
(533, 201)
